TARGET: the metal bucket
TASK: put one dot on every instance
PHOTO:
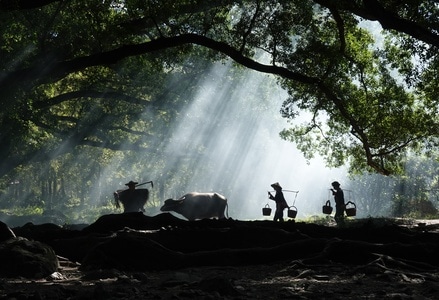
(351, 211)
(327, 208)
(292, 212)
(266, 211)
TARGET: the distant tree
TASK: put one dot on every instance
(412, 194)
(373, 194)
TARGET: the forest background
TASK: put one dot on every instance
(96, 94)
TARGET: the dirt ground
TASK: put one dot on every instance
(383, 278)
(286, 280)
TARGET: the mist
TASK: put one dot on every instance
(225, 139)
(228, 137)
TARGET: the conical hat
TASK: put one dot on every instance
(131, 183)
(276, 184)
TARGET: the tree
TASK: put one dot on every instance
(62, 59)
(373, 194)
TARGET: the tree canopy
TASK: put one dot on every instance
(70, 72)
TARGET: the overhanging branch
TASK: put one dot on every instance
(372, 10)
(88, 94)
(42, 73)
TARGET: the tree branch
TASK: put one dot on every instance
(44, 73)
(7, 5)
(372, 10)
(88, 94)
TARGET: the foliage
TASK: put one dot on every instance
(24, 211)
(92, 79)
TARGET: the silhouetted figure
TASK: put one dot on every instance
(133, 200)
(339, 202)
(281, 203)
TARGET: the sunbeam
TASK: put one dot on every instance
(229, 138)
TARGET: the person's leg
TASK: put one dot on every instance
(276, 215)
(339, 215)
(281, 215)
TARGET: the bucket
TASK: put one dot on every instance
(266, 211)
(292, 212)
(327, 208)
(351, 211)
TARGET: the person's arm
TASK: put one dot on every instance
(270, 196)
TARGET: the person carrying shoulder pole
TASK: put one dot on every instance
(339, 203)
(281, 203)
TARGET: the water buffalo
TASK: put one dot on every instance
(132, 200)
(195, 206)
